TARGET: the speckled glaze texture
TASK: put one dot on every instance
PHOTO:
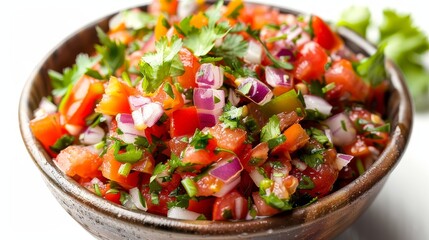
(322, 220)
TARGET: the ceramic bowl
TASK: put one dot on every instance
(324, 219)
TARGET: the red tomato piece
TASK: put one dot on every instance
(114, 197)
(115, 99)
(203, 206)
(184, 121)
(47, 130)
(110, 170)
(262, 207)
(346, 80)
(311, 61)
(80, 161)
(231, 206)
(81, 100)
(227, 138)
(324, 35)
(296, 137)
(191, 65)
(323, 178)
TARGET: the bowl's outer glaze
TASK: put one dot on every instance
(322, 220)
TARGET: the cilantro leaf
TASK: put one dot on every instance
(271, 129)
(137, 20)
(112, 52)
(231, 116)
(372, 69)
(314, 158)
(233, 45)
(63, 142)
(61, 82)
(165, 62)
(357, 18)
(276, 202)
(200, 139)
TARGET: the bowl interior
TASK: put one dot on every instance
(358, 193)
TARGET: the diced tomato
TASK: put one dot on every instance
(262, 207)
(234, 7)
(203, 206)
(184, 121)
(258, 16)
(323, 178)
(191, 65)
(324, 36)
(122, 36)
(47, 130)
(160, 29)
(227, 138)
(199, 157)
(110, 170)
(177, 145)
(311, 61)
(81, 101)
(168, 103)
(146, 164)
(208, 185)
(296, 137)
(346, 80)
(115, 99)
(80, 161)
(113, 197)
(169, 6)
(199, 20)
(161, 208)
(255, 157)
(231, 206)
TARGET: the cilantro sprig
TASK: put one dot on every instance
(112, 52)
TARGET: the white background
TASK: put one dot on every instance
(29, 29)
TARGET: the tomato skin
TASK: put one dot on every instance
(324, 35)
(263, 208)
(191, 65)
(311, 61)
(208, 185)
(228, 203)
(184, 121)
(47, 130)
(113, 197)
(203, 206)
(110, 167)
(346, 80)
(323, 177)
(227, 138)
(81, 100)
(80, 161)
(169, 104)
(296, 137)
(164, 198)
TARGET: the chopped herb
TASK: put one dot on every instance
(112, 52)
(316, 88)
(201, 217)
(233, 45)
(163, 63)
(200, 139)
(63, 142)
(207, 59)
(182, 200)
(231, 116)
(306, 183)
(124, 169)
(276, 202)
(328, 65)
(97, 190)
(328, 87)
(359, 166)
(189, 186)
(94, 74)
(132, 154)
(309, 29)
(320, 136)
(343, 125)
(154, 198)
(384, 128)
(313, 159)
(372, 69)
(271, 129)
(227, 214)
(169, 90)
(274, 142)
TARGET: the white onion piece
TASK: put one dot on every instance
(317, 103)
(209, 76)
(328, 134)
(227, 187)
(45, 107)
(73, 129)
(256, 176)
(258, 92)
(92, 135)
(128, 137)
(301, 166)
(342, 160)
(343, 132)
(233, 98)
(126, 125)
(253, 53)
(186, 8)
(239, 203)
(136, 198)
(147, 115)
(137, 102)
(277, 77)
(181, 213)
(209, 99)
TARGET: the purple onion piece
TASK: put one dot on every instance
(209, 99)
(227, 169)
(255, 90)
(137, 101)
(278, 77)
(209, 76)
(147, 115)
(343, 132)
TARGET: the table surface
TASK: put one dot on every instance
(30, 29)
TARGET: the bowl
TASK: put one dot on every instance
(323, 219)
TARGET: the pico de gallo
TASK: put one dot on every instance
(217, 112)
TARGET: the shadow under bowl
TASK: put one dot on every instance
(323, 219)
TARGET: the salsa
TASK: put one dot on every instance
(215, 112)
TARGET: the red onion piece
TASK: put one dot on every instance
(209, 99)
(227, 187)
(92, 135)
(137, 102)
(208, 118)
(227, 169)
(343, 132)
(253, 53)
(147, 115)
(317, 103)
(278, 77)
(258, 92)
(126, 125)
(209, 76)
(342, 160)
(233, 98)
